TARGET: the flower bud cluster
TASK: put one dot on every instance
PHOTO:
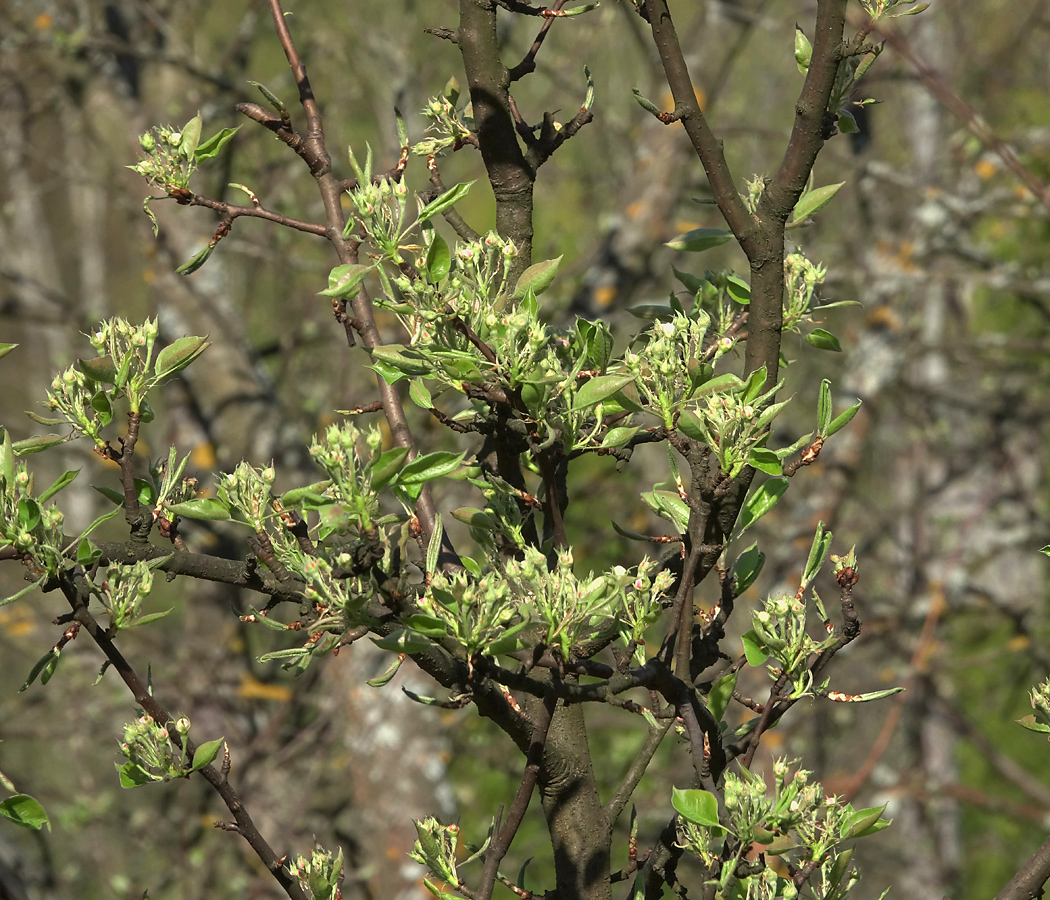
(148, 746)
(164, 164)
(801, 280)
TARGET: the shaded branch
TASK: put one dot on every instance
(77, 591)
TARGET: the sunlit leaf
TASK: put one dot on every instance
(700, 239)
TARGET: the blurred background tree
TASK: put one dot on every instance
(941, 481)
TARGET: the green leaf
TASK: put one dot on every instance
(739, 290)
(439, 260)
(630, 535)
(746, 569)
(1031, 723)
(691, 283)
(179, 354)
(698, 807)
(645, 103)
(670, 506)
(598, 389)
(132, 775)
(765, 461)
(345, 281)
(208, 508)
(211, 147)
(110, 494)
(429, 467)
(7, 459)
(843, 418)
(103, 408)
(824, 340)
(44, 420)
(101, 370)
(270, 96)
(427, 625)
(536, 278)
(864, 822)
(812, 202)
(824, 408)
(388, 675)
(87, 553)
(6, 348)
(721, 694)
(64, 480)
(726, 382)
(434, 547)
(754, 385)
(803, 51)
(205, 754)
(446, 200)
(294, 497)
(191, 136)
(188, 268)
(43, 669)
(149, 617)
(419, 395)
(404, 359)
(21, 809)
(700, 239)
(619, 437)
(105, 517)
(761, 502)
(403, 641)
(27, 589)
(28, 513)
(818, 552)
(754, 649)
(387, 466)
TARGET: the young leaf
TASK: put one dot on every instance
(388, 675)
(746, 569)
(803, 51)
(739, 290)
(754, 649)
(698, 807)
(43, 669)
(812, 202)
(446, 200)
(434, 547)
(191, 136)
(343, 281)
(439, 260)
(598, 389)
(403, 641)
(429, 467)
(765, 461)
(824, 408)
(211, 147)
(761, 502)
(101, 370)
(843, 418)
(6, 348)
(7, 459)
(818, 552)
(179, 354)
(721, 693)
(700, 239)
(205, 754)
(824, 340)
(60, 483)
(537, 278)
(207, 508)
(201, 257)
(21, 809)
